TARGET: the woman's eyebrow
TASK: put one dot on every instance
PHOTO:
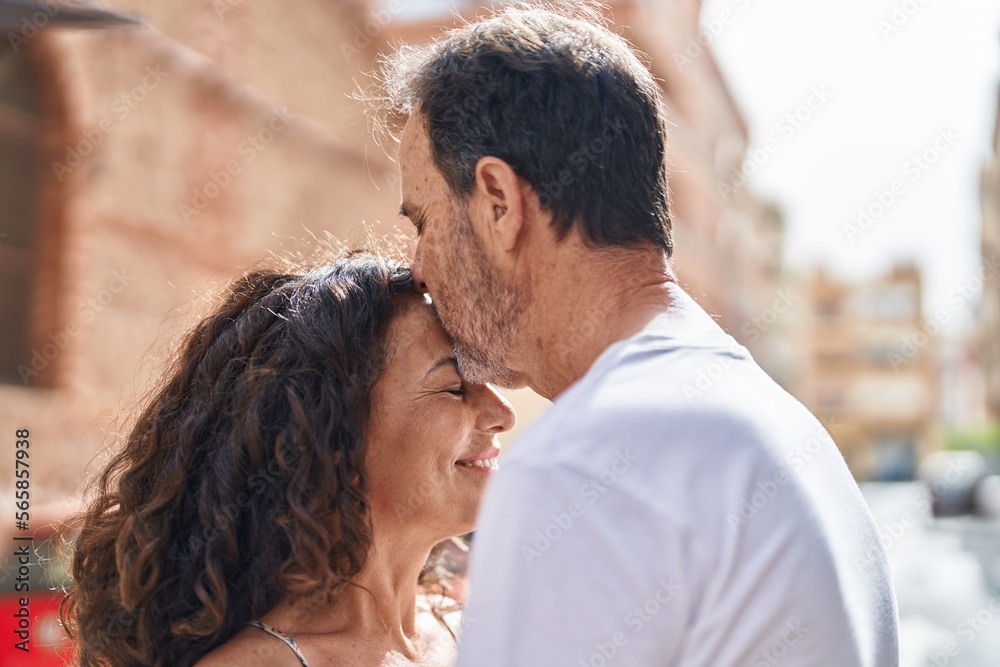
(443, 361)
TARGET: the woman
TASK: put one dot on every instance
(277, 501)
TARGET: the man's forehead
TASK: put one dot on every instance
(413, 141)
(420, 176)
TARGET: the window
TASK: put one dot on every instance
(895, 302)
(19, 165)
(830, 398)
(896, 458)
(828, 310)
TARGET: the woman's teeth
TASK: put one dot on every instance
(481, 463)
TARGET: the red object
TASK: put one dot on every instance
(47, 643)
(47, 575)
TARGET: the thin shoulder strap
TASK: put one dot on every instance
(283, 637)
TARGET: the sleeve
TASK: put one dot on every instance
(569, 569)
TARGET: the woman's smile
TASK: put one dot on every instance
(483, 463)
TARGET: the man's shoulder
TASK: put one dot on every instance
(652, 388)
(650, 403)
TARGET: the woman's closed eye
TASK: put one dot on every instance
(444, 374)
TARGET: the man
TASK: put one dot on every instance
(651, 516)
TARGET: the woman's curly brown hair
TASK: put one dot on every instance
(242, 483)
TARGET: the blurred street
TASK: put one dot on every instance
(947, 574)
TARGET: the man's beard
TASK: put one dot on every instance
(479, 308)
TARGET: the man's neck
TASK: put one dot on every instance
(591, 300)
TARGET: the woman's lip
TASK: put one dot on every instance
(491, 453)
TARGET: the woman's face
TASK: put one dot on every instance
(432, 436)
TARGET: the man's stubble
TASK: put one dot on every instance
(479, 308)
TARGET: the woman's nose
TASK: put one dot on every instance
(496, 415)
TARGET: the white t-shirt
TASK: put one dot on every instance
(676, 507)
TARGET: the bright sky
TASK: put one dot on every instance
(893, 92)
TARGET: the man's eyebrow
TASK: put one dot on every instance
(412, 213)
(443, 361)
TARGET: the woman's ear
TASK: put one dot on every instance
(498, 200)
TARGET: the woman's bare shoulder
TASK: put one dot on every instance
(250, 648)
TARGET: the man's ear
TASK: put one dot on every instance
(498, 199)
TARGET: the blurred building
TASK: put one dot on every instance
(872, 374)
(729, 242)
(963, 381)
(142, 169)
(989, 309)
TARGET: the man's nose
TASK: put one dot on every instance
(417, 269)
